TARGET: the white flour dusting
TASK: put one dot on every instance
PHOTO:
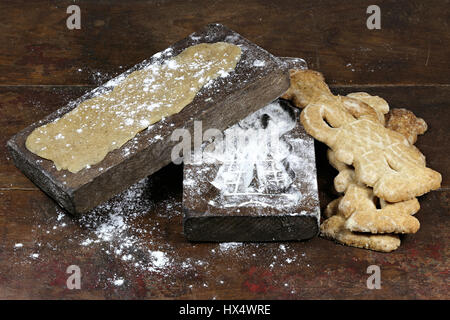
(118, 282)
(229, 246)
(252, 154)
(119, 231)
(261, 162)
(258, 63)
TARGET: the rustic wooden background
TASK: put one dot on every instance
(44, 65)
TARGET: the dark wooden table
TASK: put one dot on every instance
(44, 65)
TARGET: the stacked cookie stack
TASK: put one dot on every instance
(381, 172)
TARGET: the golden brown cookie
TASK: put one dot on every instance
(306, 86)
(367, 155)
(346, 174)
(358, 206)
(406, 123)
(332, 208)
(334, 228)
(360, 109)
(377, 103)
(382, 158)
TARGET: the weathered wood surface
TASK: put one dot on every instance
(246, 90)
(411, 47)
(406, 62)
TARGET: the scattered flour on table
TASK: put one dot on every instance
(121, 233)
(226, 246)
(118, 282)
(116, 229)
(259, 63)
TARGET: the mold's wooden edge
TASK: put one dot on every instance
(194, 231)
(194, 222)
(62, 196)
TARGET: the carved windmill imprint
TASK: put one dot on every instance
(255, 167)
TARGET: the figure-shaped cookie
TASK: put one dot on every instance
(380, 105)
(358, 206)
(382, 158)
(308, 86)
(406, 123)
(384, 162)
(334, 228)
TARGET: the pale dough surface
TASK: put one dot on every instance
(85, 135)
